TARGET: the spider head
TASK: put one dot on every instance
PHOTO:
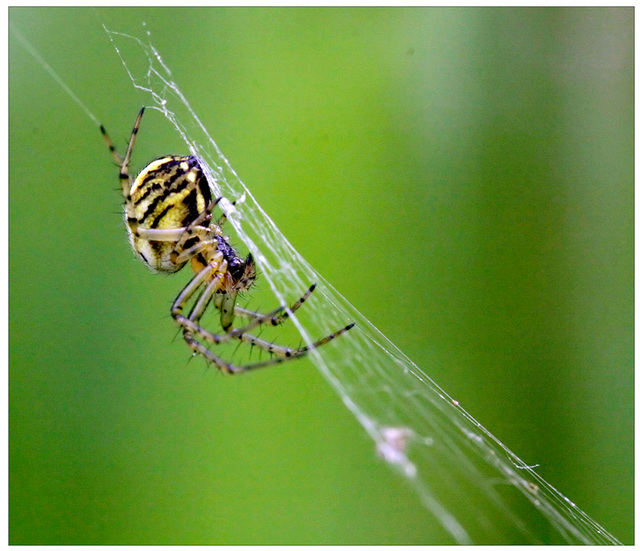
(243, 273)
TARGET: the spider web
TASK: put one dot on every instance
(474, 486)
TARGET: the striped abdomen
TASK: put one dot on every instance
(168, 194)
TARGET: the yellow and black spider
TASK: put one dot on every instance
(168, 213)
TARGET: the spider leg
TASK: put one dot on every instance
(227, 367)
(201, 349)
(191, 330)
(181, 235)
(215, 338)
(187, 293)
(123, 163)
(282, 316)
(190, 327)
(186, 254)
(124, 168)
(227, 310)
(284, 352)
(190, 229)
(203, 300)
(118, 158)
(281, 353)
(160, 235)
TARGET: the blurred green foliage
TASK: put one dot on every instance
(463, 176)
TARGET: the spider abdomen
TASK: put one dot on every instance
(168, 194)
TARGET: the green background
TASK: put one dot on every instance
(463, 176)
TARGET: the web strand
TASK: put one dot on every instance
(36, 55)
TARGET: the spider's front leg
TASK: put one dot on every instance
(281, 317)
(202, 235)
(284, 353)
(180, 236)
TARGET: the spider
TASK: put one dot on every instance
(168, 212)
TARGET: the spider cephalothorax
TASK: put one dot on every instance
(169, 216)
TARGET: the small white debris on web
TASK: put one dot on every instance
(533, 487)
(228, 207)
(393, 445)
(241, 199)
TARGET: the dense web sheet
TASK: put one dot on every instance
(472, 484)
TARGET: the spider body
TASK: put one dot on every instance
(168, 212)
